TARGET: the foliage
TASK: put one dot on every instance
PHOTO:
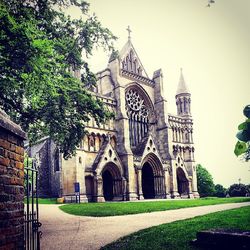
(177, 235)
(239, 190)
(220, 191)
(118, 208)
(40, 48)
(204, 182)
(209, 2)
(242, 147)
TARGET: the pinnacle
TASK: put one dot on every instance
(182, 86)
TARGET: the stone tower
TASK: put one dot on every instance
(183, 103)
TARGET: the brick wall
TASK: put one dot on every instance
(11, 184)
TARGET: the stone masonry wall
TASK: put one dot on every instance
(11, 184)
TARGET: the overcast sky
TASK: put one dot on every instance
(212, 45)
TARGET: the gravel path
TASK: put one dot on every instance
(65, 231)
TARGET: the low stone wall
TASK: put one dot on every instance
(11, 184)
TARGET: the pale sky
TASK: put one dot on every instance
(212, 45)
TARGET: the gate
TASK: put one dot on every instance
(31, 212)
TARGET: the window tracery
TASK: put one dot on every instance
(138, 113)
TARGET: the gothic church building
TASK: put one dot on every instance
(144, 153)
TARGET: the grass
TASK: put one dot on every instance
(43, 200)
(177, 235)
(122, 208)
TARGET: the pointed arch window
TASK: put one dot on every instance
(185, 106)
(91, 143)
(138, 112)
(135, 66)
(56, 160)
(139, 71)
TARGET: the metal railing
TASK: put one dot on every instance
(31, 215)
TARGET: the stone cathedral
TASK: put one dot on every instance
(144, 153)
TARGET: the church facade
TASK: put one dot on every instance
(143, 153)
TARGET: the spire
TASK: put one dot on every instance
(182, 86)
(183, 98)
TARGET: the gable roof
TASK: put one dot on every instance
(139, 149)
(145, 147)
(100, 153)
(126, 50)
(107, 154)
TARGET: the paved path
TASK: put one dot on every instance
(65, 231)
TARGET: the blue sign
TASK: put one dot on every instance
(77, 187)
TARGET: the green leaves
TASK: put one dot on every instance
(204, 182)
(240, 148)
(246, 111)
(242, 126)
(237, 190)
(39, 46)
(220, 191)
(243, 135)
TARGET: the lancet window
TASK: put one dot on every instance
(56, 160)
(130, 63)
(138, 113)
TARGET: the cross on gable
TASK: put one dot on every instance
(129, 31)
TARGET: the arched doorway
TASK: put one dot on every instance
(112, 183)
(89, 182)
(153, 180)
(107, 186)
(182, 183)
(148, 182)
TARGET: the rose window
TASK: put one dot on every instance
(138, 113)
(133, 99)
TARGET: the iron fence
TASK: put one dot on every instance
(32, 233)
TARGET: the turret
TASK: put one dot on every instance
(183, 98)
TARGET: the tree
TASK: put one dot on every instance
(40, 47)
(209, 2)
(219, 191)
(205, 182)
(238, 190)
(248, 190)
(242, 147)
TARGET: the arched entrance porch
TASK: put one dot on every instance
(182, 183)
(148, 182)
(152, 180)
(112, 183)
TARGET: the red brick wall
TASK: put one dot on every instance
(11, 190)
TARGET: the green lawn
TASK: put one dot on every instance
(122, 208)
(43, 200)
(177, 235)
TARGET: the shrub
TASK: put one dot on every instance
(220, 191)
(238, 190)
